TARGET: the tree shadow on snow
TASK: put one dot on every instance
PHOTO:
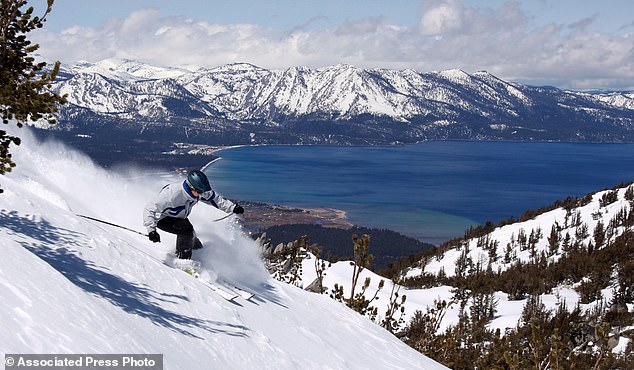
(51, 244)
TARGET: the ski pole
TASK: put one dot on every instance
(111, 224)
(134, 231)
(223, 217)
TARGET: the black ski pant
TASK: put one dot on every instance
(184, 234)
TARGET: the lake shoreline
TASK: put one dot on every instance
(259, 216)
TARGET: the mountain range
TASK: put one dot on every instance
(341, 104)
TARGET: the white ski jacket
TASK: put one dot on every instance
(175, 200)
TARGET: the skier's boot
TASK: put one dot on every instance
(184, 254)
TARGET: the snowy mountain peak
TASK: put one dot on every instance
(339, 67)
(124, 69)
(238, 68)
(455, 75)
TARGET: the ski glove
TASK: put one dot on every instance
(154, 236)
(238, 209)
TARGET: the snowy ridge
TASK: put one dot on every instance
(571, 223)
(124, 69)
(244, 92)
(70, 285)
(598, 209)
(528, 242)
(618, 100)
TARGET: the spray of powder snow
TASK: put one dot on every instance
(71, 181)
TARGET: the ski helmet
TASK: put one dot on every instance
(198, 181)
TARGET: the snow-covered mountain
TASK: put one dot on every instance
(71, 285)
(124, 69)
(495, 298)
(371, 105)
(583, 226)
(558, 254)
(577, 223)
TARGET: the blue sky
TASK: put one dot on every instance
(608, 15)
(579, 44)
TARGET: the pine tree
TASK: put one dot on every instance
(508, 253)
(567, 244)
(581, 232)
(24, 92)
(629, 193)
(422, 331)
(358, 301)
(553, 240)
(390, 322)
(362, 259)
(522, 239)
(599, 235)
(320, 267)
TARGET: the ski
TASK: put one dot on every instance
(192, 268)
(227, 290)
(222, 291)
(241, 292)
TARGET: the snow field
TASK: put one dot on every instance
(71, 285)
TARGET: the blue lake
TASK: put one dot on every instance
(432, 191)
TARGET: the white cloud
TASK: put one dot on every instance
(449, 35)
(442, 17)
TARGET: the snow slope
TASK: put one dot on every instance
(70, 285)
(508, 310)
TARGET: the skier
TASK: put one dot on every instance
(169, 210)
